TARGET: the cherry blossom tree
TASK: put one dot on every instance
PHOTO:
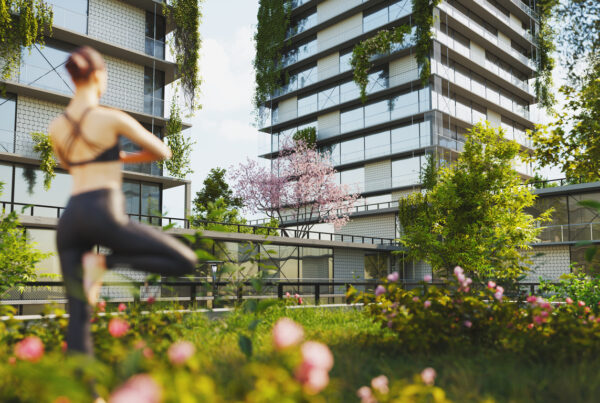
(301, 186)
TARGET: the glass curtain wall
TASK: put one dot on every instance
(44, 67)
(155, 35)
(70, 14)
(154, 91)
(8, 113)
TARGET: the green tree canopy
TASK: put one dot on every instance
(214, 188)
(473, 216)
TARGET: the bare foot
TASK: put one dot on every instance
(94, 266)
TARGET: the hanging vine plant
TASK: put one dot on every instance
(546, 46)
(185, 15)
(423, 20)
(364, 51)
(43, 146)
(23, 23)
(178, 165)
(273, 22)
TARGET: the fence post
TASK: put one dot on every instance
(279, 291)
(240, 293)
(532, 288)
(317, 293)
(193, 296)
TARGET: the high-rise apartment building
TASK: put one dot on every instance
(482, 62)
(130, 34)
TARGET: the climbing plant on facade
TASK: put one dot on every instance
(23, 23)
(178, 165)
(423, 20)
(269, 38)
(307, 135)
(185, 15)
(546, 46)
(43, 146)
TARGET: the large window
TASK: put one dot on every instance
(377, 145)
(154, 91)
(127, 145)
(142, 199)
(70, 14)
(406, 172)
(355, 178)
(44, 67)
(155, 35)
(353, 150)
(29, 189)
(8, 108)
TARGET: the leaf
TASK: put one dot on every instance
(204, 255)
(250, 305)
(266, 304)
(593, 204)
(254, 324)
(590, 253)
(245, 345)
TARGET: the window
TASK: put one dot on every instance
(377, 145)
(155, 35)
(29, 189)
(375, 20)
(352, 150)
(150, 168)
(351, 120)
(8, 111)
(150, 199)
(307, 77)
(154, 91)
(405, 138)
(303, 24)
(406, 172)
(132, 197)
(329, 97)
(425, 130)
(44, 67)
(345, 62)
(349, 91)
(70, 14)
(6, 179)
(405, 105)
(355, 178)
(334, 151)
(400, 9)
(377, 81)
(376, 113)
(307, 105)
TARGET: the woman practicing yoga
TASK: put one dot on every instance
(86, 140)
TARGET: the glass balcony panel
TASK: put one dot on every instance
(375, 20)
(307, 105)
(377, 145)
(349, 91)
(329, 97)
(352, 120)
(405, 138)
(400, 9)
(405, 105)
(70, 14)
(352, 150)
(377, 113)
(406, 172)
(355, 178)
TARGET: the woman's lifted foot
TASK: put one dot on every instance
(94, 266)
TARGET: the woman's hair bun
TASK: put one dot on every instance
(83, 62)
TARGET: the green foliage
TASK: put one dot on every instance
(228, 218)
(545, 62)
(364, 51)
(18, 256)
(33, 21)
(181, 146)
(572, 141)
(43, 146)
(577, 286)
(185, 15)
(474, 215)
(429, 175)
(214, 187)
(423, 20)
(273, 22)
(307, 135)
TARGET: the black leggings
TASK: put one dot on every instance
(97, 218)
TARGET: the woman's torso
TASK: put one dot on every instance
(96, 128)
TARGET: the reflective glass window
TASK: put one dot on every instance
(355, 178)
(405, 138)
(345, 62)
(306, 50)
(334, 152)
(425, 129)
(377, 145)
(376, 113)
(406, 172)
(353, 150)
(45, 67)
(150, 198)
(307, 125)
(70, 14)
(307, 77)
(29, 189)
(377, 81)
(400, 9)
(349, 91)
(463, 110)
(8, 113)
(479, 113)
(132, 197)
(307, 105)
(351, 120)
(424, 100)
(329, 97)
(155, 35)
(173, 202)
(6, 182)
(405, 105)
(375, 20)
(154, 91)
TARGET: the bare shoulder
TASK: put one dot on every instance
(57, 125)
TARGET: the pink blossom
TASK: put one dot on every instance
(287, 295)
(181, 351)
(538, 320)
(30, 349)
(544, 314)
(428, 376)
(314, 380)
(122, 307)
(380, 384)
(390, 324)
(147, 353)
(531, 299)
(296, 296)
(287, 333)
(461, 277)
(415, 299)
(427, 304)
(491, 285)
(427, 278)
(568, 300)
(379, 290)
(118, 327)
(580, 303)
(101, 305)
(458, 270)
(468, 323)
(499, 293)
(300, 301)
(317, 355)
(366, 395)
(530, 326)
(151, 300)
(141, 388)
(393, 277)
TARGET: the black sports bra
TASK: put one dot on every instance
(109, 154)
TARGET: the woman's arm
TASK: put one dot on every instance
(152, 147)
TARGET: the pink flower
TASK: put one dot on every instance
(580, 303)
(530, 326)
(180, 352)
(380, 384)
(427, 278)
(393, 277)
(300, 301)
(461, 277)
(287, 333)
(117, 327)
(544, 314)
(458, 270)
(151, 300)
(415, 299)
(468, 323)
(428, 376)
(30, 349)
(314, 380)
(538, 320)
(122, 307)
(101, 305)
(499, 293)
(147, 353)
(366, 395)
(569, 300)
(139, 388)
(532, 299)
(427, 304)
(379, 290)
(296, 296)
(287, 295)
(317, 355)
(491, 285)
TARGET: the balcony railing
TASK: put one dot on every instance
(154, 106)
(69, 19)
(511, 23)
(570, 233)
(155, 47)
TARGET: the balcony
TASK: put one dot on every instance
(155, 48)
(154, 106)
(69, 19)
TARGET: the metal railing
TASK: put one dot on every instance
(550, 183)
(570, 232)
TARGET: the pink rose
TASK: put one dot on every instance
(393, 277)
(532, 299)
(296, 296)
(580, 303)
(300, 301)
(287, 333)
(366, 395)
(379, 290)
(569, 300)
(101, 305)
(415, 299)
(458, 270)
(427, 304)
(151, 300)
(427, 278)
(118, 327)
(287, 295)
(530, 326)
(491, 285)
(180, 352)
(468, 323)
(122, 307)
(30, 349)
(316, 380)
(538, 320)
(139, 388)
(380, 384)
(317, 355)
(428, 376)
